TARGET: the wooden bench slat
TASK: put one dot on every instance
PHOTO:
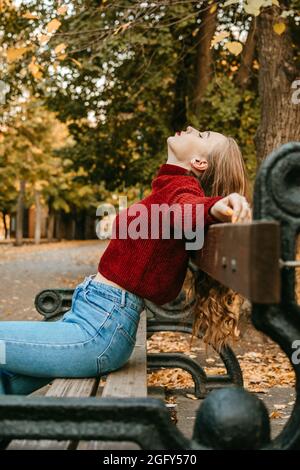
(129, 381)
(255, 249)
(59, 388)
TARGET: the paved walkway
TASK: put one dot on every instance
(26, 270)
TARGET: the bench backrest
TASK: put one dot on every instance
(244, 257)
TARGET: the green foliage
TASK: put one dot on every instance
(227, 110)
(34, 149)
(122, 80)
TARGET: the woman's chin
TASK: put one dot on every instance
(171, 140)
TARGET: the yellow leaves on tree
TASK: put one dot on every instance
(213, 8)
(35, 69)
(53, 26)
(60, 48)
(122, 28)
(252, 7)
(15, 53)
(44, 38)
(30, 16)
(279, 28)
(62, 10)
(219, 37)
(234, 47)
(76, 62)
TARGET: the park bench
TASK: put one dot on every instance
(256, 259)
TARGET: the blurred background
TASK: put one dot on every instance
(90, 91)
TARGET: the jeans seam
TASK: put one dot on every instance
(63, 345)
(127, 335)
(103, 352)
(131, 317)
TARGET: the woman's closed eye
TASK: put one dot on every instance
(207, 133)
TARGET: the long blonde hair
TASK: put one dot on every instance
(217, 308)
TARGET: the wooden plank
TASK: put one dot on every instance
(129, 381)
(244, 257)
(59, 388)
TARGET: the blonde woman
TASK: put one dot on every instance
(202, 182)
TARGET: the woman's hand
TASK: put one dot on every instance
(232, 208)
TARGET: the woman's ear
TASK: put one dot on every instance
(199, 164)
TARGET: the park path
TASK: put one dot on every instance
(26, 270)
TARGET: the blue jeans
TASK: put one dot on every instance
(96, 336)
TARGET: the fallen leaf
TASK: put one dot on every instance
(192, 397)
(275, 415)
(279, 407)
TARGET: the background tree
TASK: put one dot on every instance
(124, 75)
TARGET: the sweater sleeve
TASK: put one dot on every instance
(187, 200)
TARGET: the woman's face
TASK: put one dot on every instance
(192, 143)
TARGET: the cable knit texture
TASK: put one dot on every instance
(155, 268)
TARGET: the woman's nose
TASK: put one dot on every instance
(189, 129)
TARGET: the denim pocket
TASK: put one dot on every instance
(117, 352)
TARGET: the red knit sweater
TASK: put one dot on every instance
(155, 268)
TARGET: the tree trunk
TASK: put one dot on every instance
(179, 118)
(247, 57)
(204, 54)
(58, 226)
(38, 217)
(4, 214)
(280, 117)
(51, 225)
(20, 214)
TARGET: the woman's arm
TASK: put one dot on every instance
(232, 208)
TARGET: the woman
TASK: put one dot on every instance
(97, 335)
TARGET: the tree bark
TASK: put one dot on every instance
(51, 225)
(58, 226)
(20, 214)
(247, 57)
(280, 117)
(4, 214)
(204, 57)
(179, 118)
(38, 217)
